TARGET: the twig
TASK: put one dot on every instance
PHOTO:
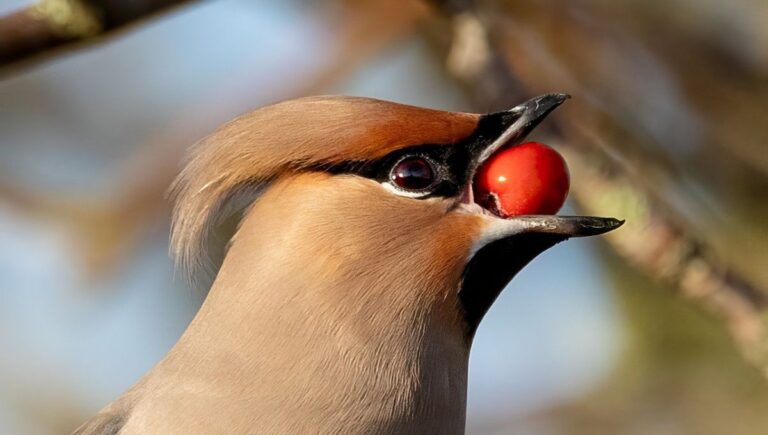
(109, 230)
(656, 239)
(50, 25)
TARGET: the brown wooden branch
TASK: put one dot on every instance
(51, 25)
(656, 239)
(661, 244)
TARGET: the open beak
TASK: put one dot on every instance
(505, 246)
(510, 127)
(500, 130)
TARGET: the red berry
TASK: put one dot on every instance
(530, 178)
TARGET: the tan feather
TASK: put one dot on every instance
(324, 318)
(228, 168)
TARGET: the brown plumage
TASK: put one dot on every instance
(343, 304)
(281, 139)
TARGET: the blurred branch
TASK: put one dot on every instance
(51, 25)
(362, 29)
(660, 243)
(109, 231)
(656, 239)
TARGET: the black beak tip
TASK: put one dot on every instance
(536, 109)
(570, 226)
(541, 106)
(559, 97)
(593, 226)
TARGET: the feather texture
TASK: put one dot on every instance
(227, 170)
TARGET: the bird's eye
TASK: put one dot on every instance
(413, 173)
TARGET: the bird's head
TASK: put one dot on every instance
(374, 200)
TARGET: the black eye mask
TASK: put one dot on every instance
(451, 164)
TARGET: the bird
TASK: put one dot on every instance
(349, 264)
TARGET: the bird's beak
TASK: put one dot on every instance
(510, 127)
(505, 246)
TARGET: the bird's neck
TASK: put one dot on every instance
(287, 331)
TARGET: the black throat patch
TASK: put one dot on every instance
(493, 267)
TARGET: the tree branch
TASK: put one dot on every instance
(656, 239)
(51, 25)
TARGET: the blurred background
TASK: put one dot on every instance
(658, 329)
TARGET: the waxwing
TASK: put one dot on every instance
(350, 264)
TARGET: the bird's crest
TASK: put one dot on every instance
(227, 170)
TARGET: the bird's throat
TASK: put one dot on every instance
(280, 337)
(493, 267)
